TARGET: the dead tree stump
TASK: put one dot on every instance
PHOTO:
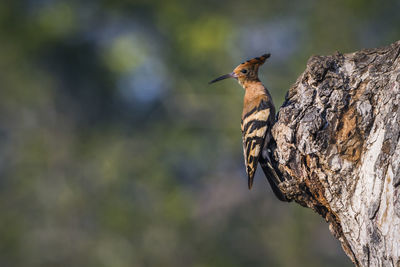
(337, 145)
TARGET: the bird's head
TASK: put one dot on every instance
(247, 71)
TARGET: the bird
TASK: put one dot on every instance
(258, 117)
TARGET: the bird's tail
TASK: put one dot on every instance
(272, 176)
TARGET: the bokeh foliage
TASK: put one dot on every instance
(114, 150)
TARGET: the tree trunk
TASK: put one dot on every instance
(337, 147)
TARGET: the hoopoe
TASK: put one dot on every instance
(257, 119)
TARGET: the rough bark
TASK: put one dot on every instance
(337, 146)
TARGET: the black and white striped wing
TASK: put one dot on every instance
(254, 129)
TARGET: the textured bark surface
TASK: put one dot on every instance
(337, 145)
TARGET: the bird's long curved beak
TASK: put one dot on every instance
(223, 77)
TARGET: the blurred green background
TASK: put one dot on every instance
(114, 150)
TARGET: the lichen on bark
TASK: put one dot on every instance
(337, 146)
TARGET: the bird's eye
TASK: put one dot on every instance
(244, 71)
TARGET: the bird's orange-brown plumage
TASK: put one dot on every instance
(255, 92)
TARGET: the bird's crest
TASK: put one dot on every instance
(255, 61)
